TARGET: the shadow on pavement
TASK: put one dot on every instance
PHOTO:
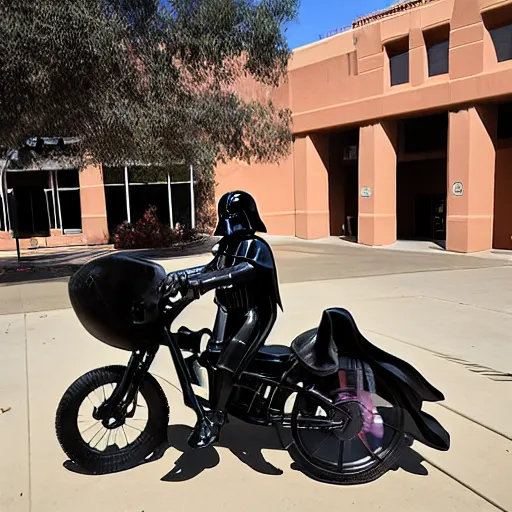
(247, 443)
(46, 264)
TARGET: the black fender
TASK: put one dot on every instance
(338, 337)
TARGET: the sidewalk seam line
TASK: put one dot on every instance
(28, 421)
(462, 415)
(467, 486)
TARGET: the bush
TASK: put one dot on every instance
(149, 233)
(206, 219)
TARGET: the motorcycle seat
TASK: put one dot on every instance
(278, 353)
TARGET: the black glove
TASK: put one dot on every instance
(178, 282)
(174, 283)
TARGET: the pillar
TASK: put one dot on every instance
(93, 205)
(311, 162)
(377, 184)
(471, 165)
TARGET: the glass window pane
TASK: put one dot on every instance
(113, 175)
(502, 39)
(438, 58)
(115, 197)
(68, 178)
(144, 196)
(179, 172)
(181, 204)
(147, 174)
(399, 67)
(70, 210)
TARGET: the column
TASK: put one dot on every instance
(471, 165)
(93, 206)
(377, 184)
(311, 161)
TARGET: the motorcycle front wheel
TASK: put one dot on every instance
(330, 450)
(101, 449)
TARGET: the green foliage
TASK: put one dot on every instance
(140, 82)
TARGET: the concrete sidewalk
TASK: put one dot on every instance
(454, 326)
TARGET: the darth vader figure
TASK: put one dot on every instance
(243, 275)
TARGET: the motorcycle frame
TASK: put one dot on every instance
(273, 412)
(281, 389)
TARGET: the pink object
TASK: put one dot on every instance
(372, 420)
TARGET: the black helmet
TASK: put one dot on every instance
(116, 299)
(238, 215)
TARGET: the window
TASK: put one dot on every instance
(502, 40)
(437, 41)
(68, 197)
(499, 24)
(129, 191)
(398, 53)
(438, 58)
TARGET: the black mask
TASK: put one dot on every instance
(238, 215)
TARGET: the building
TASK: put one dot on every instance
(58, 204)
(402, 129)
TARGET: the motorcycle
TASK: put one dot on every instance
(340, 404)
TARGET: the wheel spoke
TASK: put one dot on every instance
(89, 428)
(99, 430)
(134, 428)
(108, 439)
(321, 444)
(125, 436)
(100, 439)
(362, 438)
(98, 397)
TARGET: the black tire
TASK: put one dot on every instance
(95, 461)
(327, 473)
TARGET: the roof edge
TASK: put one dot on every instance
(389, 11)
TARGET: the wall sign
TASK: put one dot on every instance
(366, 192)
(458, 188)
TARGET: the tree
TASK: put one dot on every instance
(145, 80)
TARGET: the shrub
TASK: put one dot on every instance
(149, 233)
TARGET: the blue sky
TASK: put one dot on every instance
(320, 16)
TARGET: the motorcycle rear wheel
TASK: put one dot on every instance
(327, 458)
(118, 453)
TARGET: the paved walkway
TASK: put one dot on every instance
(45, 288)
(450, 316)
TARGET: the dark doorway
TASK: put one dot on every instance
(430, 217)
(422, 177)
(343, 182)
(421, 200)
